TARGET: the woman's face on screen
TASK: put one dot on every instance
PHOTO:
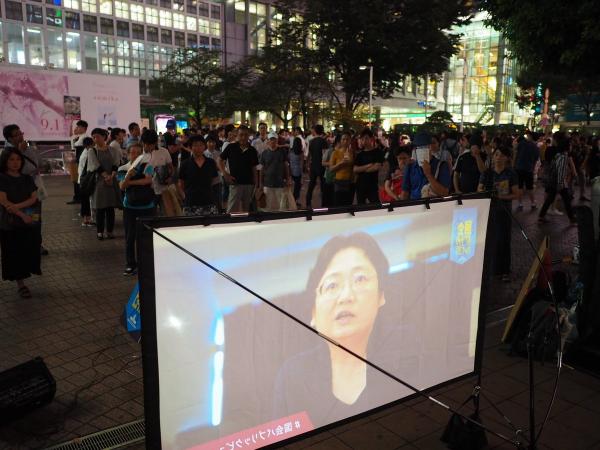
(347, 296)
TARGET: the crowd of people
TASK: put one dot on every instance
(236, 170)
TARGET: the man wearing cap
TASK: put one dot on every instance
(426, 176)
(275, 174)
(468, 167)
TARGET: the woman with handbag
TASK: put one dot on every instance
(104, 161)
(20, 230)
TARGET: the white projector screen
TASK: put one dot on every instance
(400, 288)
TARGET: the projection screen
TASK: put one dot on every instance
(222, 368)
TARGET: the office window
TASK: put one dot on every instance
(90, 23)
(137, 31)
(16, 48)
(122, 10)
(107, 26)
(73, 4)
(73, 51)
(179, 39)
(203, 26)
(215, 12)
(123, 48)
(165, 3)
(178, 5)
(203, 9)
(215, 28)
(90, 6)
(90, 52)
(152, 16)
(178, 21)
(108, 64)
(107, 46)
(240, 12)
(35, 14)
(165, 56)
(204, 42)
(137, 13)
(152, 34)
(216, 44)
(72, 20)
(35, 39)
(106, 7)
(137, 50)
(122, 28)
(152, 2)
(138, 69)
(191, 23)
(14, 11)
(54, 17)
(56, 57)
(192, 40)
(166, 37)
(191, 6)
(166, 19)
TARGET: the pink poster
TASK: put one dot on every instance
(36, 102)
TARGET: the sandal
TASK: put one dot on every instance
(24, 292)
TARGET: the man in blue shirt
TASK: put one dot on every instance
(425, 176)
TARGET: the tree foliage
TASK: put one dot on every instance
(396, 37)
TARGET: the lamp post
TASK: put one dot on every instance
(370, 90)
(463, 94)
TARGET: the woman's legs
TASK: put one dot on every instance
(110, 220)
(100, 220)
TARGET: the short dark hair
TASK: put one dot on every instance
(506, 151)
(115, 132)
(212, 138)
(5, 155)
(135, 144)
(359, 240)
(131, 126)
(149, 137)
(229, 128)
(366, 132)
(87, 142)
(82, 124)
(262, 123)
(9, 130)
(298, 129)
(100, 131)
(170, 139)
(319, 129)
(197, 138)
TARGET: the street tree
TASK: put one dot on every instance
(393, 36)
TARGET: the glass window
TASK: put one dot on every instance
(54, 17)
(137, 31)
(178, 21)
(90, 23)
(89, 6)
(191, 23)
(137, 13)
(152, 34)
(35, 39)
(73, 51)
(204, 42)
(166, 19)
(56, 57)
(137, 50)
(409, 85)
(203, 9)
(107, 26)
(166, 37)
(192, 40)
(122, 28)
(122, 48)
(240, 12)
(72, 20)
(165, 3)
(178, 5)
(165, 56)
(138, 68)
(216, 44)
(16, 49)
(152, 16)
(35, 14)
(203, 26)
(108, 64)
(14, 11)
(90, 54)
(107, 46)
(122, 10)
(215, 29)
(179, 39)
(191, 7)
(73, 4)
(106, 7)
(215, 12)
(152, 2)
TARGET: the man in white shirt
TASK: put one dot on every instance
(117, 137)
(77, 136)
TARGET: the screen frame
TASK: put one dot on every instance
(146, 278)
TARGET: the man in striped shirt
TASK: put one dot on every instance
(560, 168)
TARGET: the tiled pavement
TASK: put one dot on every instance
(73, 323)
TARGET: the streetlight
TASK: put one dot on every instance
(463, 93)
(370, 90)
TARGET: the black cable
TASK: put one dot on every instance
(328, 339)
(559, 353)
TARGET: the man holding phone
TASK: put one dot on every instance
(427, 176)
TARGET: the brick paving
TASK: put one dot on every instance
(73, 323)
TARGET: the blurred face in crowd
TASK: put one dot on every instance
(345, 141)
(262, 129)
(14, 163)
(403, 159)
(243, 137)
(99, 139)
(273, 143)
(198, 148)
(134, 152)
(367, 142)
(136, 132)
(121, 136)
(500, 159)
(79, 130)
(211, 145)
(435, 145)
(17, 137)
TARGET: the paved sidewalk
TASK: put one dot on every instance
(73, 323)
